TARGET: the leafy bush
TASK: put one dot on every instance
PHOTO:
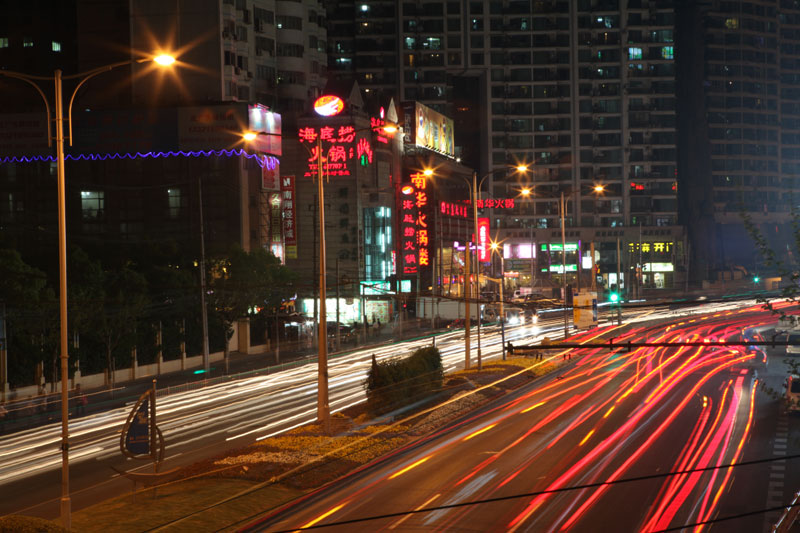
(393, 384)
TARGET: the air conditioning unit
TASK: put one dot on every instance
(249, 75)
(237, 70)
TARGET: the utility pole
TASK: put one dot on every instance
(323, 407)
(338, 328)
(564, 264)
(619, 291)
(203, 309)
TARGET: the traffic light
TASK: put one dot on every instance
(613, 297)
(756, 279)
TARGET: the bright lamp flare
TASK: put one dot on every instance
(525, 192)
(164, 60)
(522, 168)
(250, 136)
(428, 172)
(390, 128)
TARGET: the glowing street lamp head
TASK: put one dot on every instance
(526, 192)
(599, 188)
(164, 60)
(428, 172)
(390, 128)
(522, 168)
(250, 136)
(494, 245)
(328, 105)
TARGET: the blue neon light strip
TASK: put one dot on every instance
(263, 161)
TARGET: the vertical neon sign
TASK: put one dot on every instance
(414, 225)
(483, 239)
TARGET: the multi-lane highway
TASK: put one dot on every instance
(557, 456)
(204, 421)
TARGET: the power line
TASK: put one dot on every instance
(569, 489)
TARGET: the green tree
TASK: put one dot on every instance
(244, 280)
(29, 306)
(124, 301)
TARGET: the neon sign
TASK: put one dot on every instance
(414, 226)
(339, 145)
(454, 210)
(496, 203)
(483, 239)
(328, 105)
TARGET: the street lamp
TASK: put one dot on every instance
(57, 78)
(474, 192)
(495, 247)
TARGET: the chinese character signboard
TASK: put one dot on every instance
(275, 225)
(483, 240)
(414, 236)
(339, 147)
(289, 217)
(454, 210)
(270, 173)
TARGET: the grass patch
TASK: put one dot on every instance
(151, 509)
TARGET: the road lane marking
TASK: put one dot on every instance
(406, 517)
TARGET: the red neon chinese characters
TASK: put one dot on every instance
(364, 148)
(347, 134)
(307, 135)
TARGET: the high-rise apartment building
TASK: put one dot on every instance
(583, 90)
(739, 90)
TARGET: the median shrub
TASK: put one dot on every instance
(399, 382)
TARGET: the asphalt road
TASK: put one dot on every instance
(609, 417)
(197, 422)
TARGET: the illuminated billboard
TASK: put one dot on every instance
(268, 124)
(429, 129)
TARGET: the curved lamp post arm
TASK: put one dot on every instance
(86, 76)
(29, 80)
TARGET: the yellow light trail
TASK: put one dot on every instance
(586, 438)
(323, 516)
(487, 428)
(608, 412)
(532, 407)
(409, 467)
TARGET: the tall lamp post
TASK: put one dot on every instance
(495, 247)
(57, 78)
(474, 193)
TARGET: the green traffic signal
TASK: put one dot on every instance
(756, 279)
(613, 297)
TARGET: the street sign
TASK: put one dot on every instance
(584, 309)
(137, 439)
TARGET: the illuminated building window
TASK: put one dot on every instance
(175, 203)
(3, 42)
(668, 52)
(732, 23)
(27, 42)
(56, 46)
(92, 205)
(634, 53)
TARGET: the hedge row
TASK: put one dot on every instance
(399, 382)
